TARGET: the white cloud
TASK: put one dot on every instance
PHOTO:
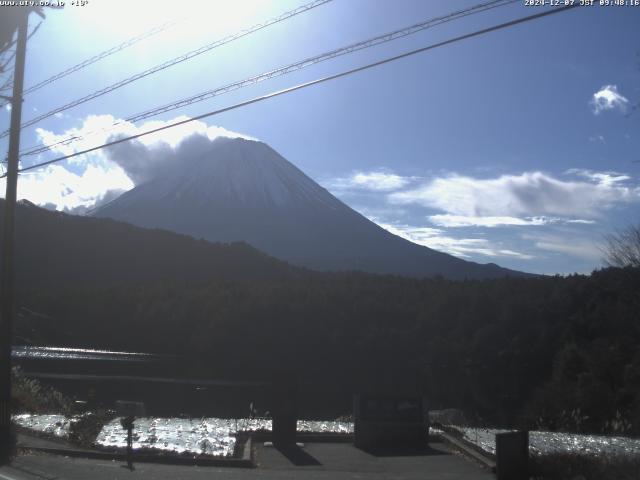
(608, 98)
(530, 194)
(88, 179)
(447, 220)
(461, 247)
(379, 181)
(99, 129)
(574, 246)
(582, 250)
(582, 221)
(438, 239)
(603, 178)
(71, 191)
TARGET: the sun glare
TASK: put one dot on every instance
(124, 18)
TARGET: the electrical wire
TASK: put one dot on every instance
(384, 38)
(98, 57)
(118, 48)
(307, 84)
(170, 63)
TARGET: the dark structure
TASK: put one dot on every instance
(389, 421)
(284, 411)
(512, 455)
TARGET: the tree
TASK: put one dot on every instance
(622, 248)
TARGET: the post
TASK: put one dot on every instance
(512, 455)
(6, 280)
(129, 411)
(127, 424)
(130, 447)
(284, 411)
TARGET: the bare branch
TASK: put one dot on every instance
(622, 248)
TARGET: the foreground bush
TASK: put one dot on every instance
(84, 429)
(30, 396)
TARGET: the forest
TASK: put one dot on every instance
(556, 353)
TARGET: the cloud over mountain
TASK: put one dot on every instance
(86, 181)
(148, 156)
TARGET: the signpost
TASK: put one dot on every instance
(129, 410)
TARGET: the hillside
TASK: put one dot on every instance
(54, 249)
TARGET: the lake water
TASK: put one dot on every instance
(64, 353)
(216, 436)
(541, 443)
(56, 425)
(209, 436)
(202, 436)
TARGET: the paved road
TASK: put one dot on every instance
(318, 461)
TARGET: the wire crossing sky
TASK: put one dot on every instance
(307, 62)
(304, 85)
(182, 58)
(98, 57)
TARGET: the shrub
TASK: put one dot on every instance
(29, 395)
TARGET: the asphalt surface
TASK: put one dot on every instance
(314, 461)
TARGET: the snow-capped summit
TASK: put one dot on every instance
(243, 190)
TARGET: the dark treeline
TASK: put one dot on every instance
(547, 352)
(57, 250)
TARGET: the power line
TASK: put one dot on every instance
(126, 44)
(387, 37)
(174, 61)
(307, 84)
(384, 38)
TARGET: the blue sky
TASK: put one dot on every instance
(520, 147)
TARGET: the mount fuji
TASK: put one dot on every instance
(243, 190)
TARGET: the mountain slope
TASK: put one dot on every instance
(243, 190)
(56, 250)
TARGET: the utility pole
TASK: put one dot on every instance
(8, 240)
